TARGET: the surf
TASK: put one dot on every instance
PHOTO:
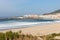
(22, 23)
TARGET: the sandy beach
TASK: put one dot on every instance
(39, 30)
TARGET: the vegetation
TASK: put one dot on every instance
(20, 36)
(51, 36)
(16, 36)
(54, 12)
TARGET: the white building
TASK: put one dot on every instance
(56, 16)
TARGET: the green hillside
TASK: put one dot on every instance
(54, 12)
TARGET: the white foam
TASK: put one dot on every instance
(20, 24)
(15, 24)
(57, 21)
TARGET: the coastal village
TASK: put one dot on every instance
(49, 16)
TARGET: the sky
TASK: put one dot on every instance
(23, 7)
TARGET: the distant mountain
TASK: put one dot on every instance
(54, 12)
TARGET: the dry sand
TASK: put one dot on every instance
(39, 30)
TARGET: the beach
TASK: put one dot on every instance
(38, 30)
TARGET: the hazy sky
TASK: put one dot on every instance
(21, 7)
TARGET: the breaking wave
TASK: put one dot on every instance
(17, 23)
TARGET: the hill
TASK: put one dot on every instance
(54, 12)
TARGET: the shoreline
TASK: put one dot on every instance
(38, 30)
(28, 26)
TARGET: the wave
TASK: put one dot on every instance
(57, 21)
(8, 24)
(16, 24)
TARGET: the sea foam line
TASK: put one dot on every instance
(20, 23)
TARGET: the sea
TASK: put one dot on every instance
(23, 23)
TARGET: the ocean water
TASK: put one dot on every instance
(21, 23)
